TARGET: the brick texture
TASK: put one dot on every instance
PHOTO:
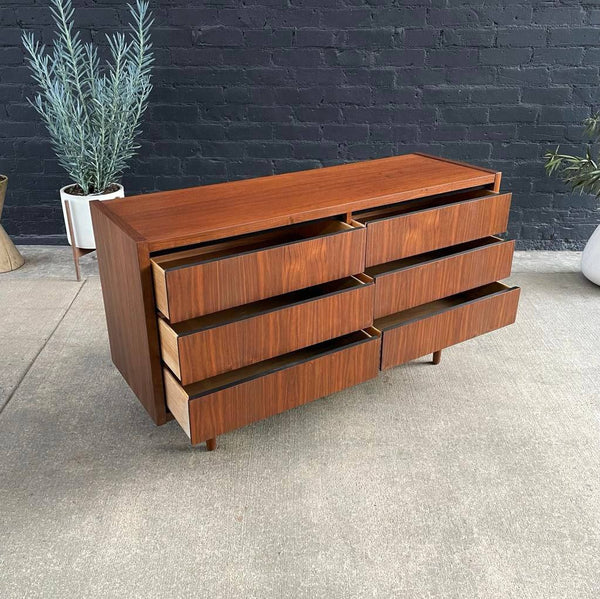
(261, 87)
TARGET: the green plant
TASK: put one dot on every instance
(92, 112)
(579, 172)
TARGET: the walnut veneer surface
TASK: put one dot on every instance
(175, 218)
(223, 308)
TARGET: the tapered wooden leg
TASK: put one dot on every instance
(437, 357)
(72, 236)
(211, 444)
(76, 261)
(77, 252)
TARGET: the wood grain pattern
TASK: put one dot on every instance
(195, 289)
(206, 347)
(124, 266)
(497, 182)
(433, 327)
(451, 161)
(395, 237)
(186, 216)
(251, 251)
(306, 377)
(409, 282)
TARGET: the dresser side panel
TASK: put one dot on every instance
(126, 279)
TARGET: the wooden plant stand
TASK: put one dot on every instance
(229, 303)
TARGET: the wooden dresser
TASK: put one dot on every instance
(229, 303)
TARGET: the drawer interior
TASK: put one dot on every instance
(251, 243)
(271, 304)
(432, 308)
(235, 377)
(477, 244)
(423, 204)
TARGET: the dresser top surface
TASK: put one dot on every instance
(169, 219)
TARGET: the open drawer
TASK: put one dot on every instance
(424, 225)
(409, 282)
(209, 345)
(229, 401)
(431, 327)
(202, 280)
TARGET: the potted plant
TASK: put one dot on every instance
(92, 112)
(582, 173)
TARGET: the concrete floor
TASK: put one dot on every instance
(478, 478)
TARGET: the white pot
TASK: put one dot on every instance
(81, 217)
(590, 261)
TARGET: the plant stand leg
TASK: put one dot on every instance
(437, 357)
(211, 444)
(77, 252)
(10, 259)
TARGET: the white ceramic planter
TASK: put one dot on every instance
(81, 216)
(590, 261)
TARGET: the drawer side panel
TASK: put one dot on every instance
(124, 266)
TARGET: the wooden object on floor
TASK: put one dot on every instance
(10, 258)
(437, 357)
(229, 303)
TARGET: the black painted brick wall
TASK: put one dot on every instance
(256, 87)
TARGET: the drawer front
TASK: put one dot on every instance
(191, 291)
(257, 398)
(426, 335)
(199, 354)
(429, 280)
(418, 232)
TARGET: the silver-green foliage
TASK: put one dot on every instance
(93, 111)
(579, 172)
